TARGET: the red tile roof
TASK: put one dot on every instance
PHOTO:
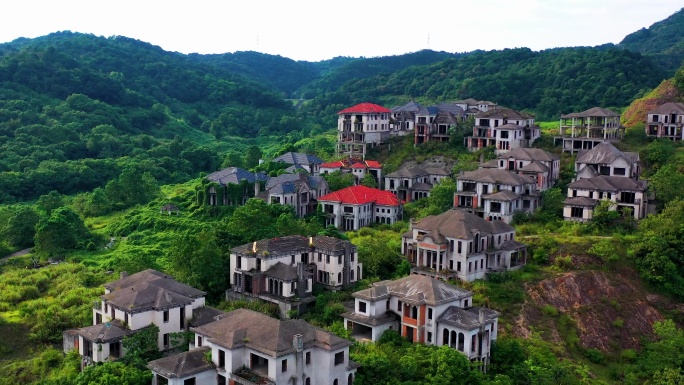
(364, 108)
(358, 165)
(337, 164)
(361, 195)
(373, 164)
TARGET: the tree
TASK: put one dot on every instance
(369, 181)
(196, 259)
(252, 156)
(141, 347)
(667, 184)
(256, 220)
(50, 201)
(63, 230)
(338, 180)
(21, 227)
(114, 373)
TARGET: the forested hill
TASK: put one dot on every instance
(548, 82)
(664, 41)
(76, 110)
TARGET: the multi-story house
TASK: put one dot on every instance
(298, 190)
(536, 163)
(425, 310)
(623, 193)
(233, 186)
(357, 167)
(300, 161)
(354, 207)
(131, 304)
(360, 126)
(433, 123)
(586, 129)
(666, 121)
(410, 184)
(283, 270)
(605, 159)
(458, 244)
(403, 118)
(496, 194)
(247, 348)
(503, 128)
(473, 107)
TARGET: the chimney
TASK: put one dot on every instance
(254, 249)
(123, 274)
(257, 187)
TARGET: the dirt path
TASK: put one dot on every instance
(16, 254)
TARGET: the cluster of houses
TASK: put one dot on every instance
(466, 243)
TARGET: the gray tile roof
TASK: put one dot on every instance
(451, 108)
(520, 153)
(603, 153)
(509, 126)
(235, 175)
(460, 224)
(290, 183)
(282, 271)
(298, 158)
(504, 113)
(293, 244)
(104, 332)
(430, 110)
(490, 164)
(436, 171)
(408, 107)
(417, 290)
(590, 113)
(269, 336)
(534, 166)
(580, 201)
(503, 195)
(668, 108)
(497, 176)
(421, 187)
(204, 315)
(383, 319)
(608, 183)
(408, 173)
(512, 245)
(467, 319)
(182, 365)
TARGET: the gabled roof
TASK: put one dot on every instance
(534, 166)
(411, 172)
(358, 165)
(452, 108)
(468, 319)
(421, 187)
(364, 108)
(503, 195)
(282, 271)
(469, 102)
(361, 195)
(182, 365)
(436, 171)
(668, 108)
(235, 175)
(350, 162)
(429, 110)
(104, 332)
(608, 183)
(520, 153)
(497, 176)
(580, 201)
(511, 245)
(294, 243)
(504, 113)
(490, 164)
(459, 224)
(204, 315)
(247, 328)
(298, 158)
(336, 164)
(149, 290)
(415, 289)
(591, 113)
(373, 164)
(603, 153)
(408, 107)
(291, 183)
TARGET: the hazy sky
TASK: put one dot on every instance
(322, 29)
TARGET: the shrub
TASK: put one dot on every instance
(594, 355)
(563, 262)
(549, 310)
(619, 322)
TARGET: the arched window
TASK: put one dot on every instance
(461, 342)
(335, 382)
(445, 337)
(350, 379)
(339, 278)
(307, 381)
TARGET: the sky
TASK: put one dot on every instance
(323, 29)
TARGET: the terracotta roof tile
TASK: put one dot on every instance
(364, 108)
(361, 195)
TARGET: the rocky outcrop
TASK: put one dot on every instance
(610, 311)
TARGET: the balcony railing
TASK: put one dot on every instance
(248, 377)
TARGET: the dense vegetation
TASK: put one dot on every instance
(98, 133)
(664, 41)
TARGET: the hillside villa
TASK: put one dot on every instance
(424, 310)
(410, 184)
(584, 130)
(460, 245)
(666, 121)
(362, 125)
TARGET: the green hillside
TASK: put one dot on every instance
(664, 41)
